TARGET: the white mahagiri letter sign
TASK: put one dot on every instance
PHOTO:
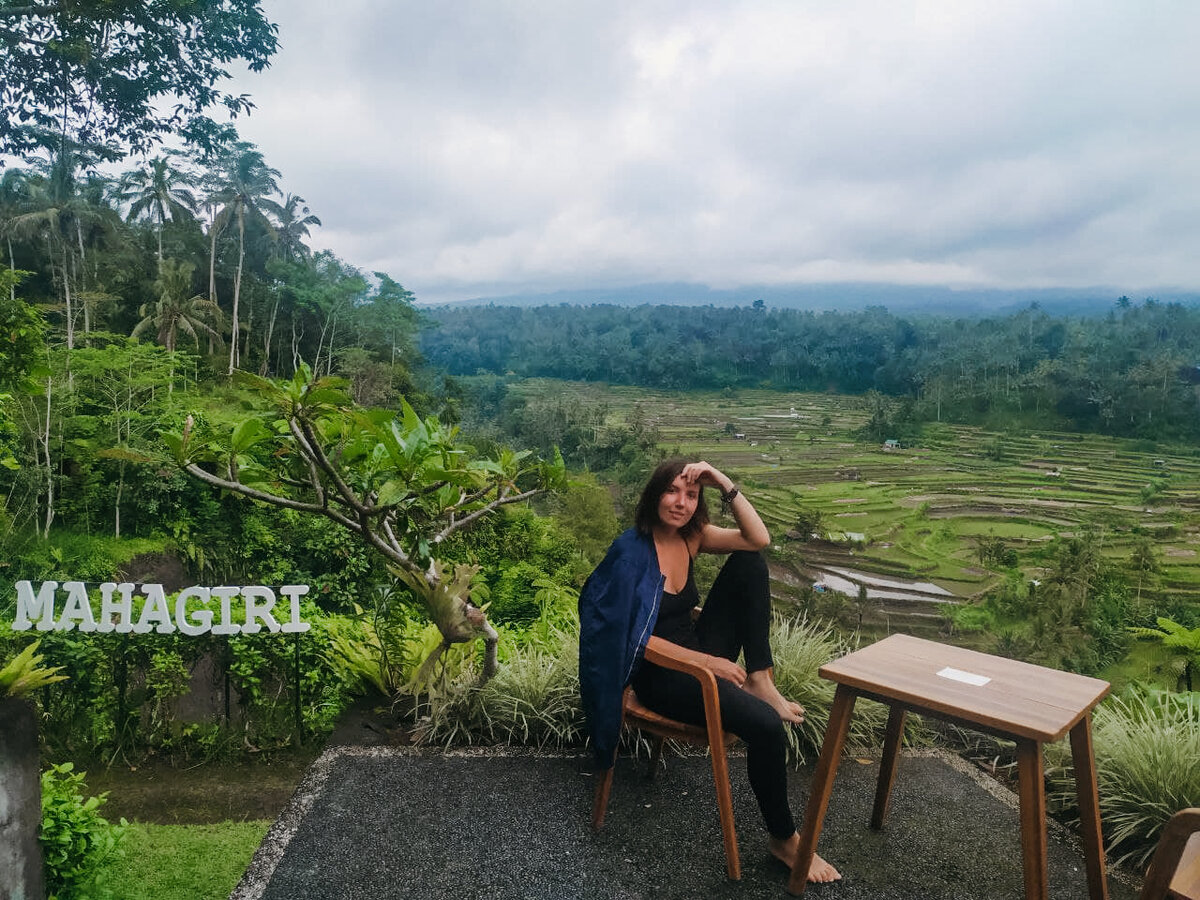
(122, 612)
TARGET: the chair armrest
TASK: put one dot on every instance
(691, 662)
(1171, 845)
(681, 659)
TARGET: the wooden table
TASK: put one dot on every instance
(1018, 701)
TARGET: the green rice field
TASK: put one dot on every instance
(906, 522)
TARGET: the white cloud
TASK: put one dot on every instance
(480, 148)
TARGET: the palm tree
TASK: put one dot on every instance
(158, 192)
(176, 311)
(58, 207)
(294, 220)
(243, 188)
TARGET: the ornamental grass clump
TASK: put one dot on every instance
(533, 701)
(800, 647)
(1147, 747)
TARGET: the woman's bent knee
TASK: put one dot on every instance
(747, 563)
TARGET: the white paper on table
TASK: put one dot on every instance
(964, 677)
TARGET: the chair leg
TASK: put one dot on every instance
(720, 767)
(600, 802)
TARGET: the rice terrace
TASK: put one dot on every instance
(907, 523)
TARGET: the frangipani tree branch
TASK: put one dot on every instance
(390, 549)
(397, 481)
(456, 524)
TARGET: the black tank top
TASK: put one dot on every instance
(674, 622)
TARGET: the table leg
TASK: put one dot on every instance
(822, 785)
(1032, 783)
(1089, 807)
(887, 765)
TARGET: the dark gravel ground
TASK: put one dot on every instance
(388, 822)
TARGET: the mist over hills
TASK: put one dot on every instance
(935, 300)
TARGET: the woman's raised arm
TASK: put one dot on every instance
(751, 533)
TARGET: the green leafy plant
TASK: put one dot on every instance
(357, 654)
(25, 674)
(76, 840)
(399, 482)
(1146, 745)
(1183, 645)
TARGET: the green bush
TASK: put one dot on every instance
(24, 674)
(120, 689)
(513, 599)
(1146, 744)
(76, 840)
(968, 618)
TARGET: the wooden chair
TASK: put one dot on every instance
(1175, 871)
(672, 656)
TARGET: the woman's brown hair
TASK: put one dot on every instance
(646, 516)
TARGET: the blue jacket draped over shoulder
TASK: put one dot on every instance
(617, 610)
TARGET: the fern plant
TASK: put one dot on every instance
(1183, 644)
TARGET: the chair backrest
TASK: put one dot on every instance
(1175, 871)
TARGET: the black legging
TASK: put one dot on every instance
(735, 620)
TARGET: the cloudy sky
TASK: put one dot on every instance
(484, 148)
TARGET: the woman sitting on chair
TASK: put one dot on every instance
(648, 576)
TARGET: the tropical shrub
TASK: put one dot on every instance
(533, 700)
(76, 840)
(1147, 743)
(121, 690)
(513, 599)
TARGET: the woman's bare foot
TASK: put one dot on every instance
(762, 686)
(785, 851)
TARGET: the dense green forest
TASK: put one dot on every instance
(1135, 371)
(124, 292)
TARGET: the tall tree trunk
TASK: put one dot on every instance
(295, 346)
(66, 276)
(12, 264)
(79, 237)
(266, 363)
(244, 353)
(212, 259)
(329, 352)
(117, 502)
(49, 463)
(237, 288)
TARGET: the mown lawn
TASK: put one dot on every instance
(182, 862)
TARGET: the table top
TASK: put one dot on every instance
(1004, 695)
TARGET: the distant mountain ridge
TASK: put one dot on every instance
(936, 300)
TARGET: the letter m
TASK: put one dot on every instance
(32, 609)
